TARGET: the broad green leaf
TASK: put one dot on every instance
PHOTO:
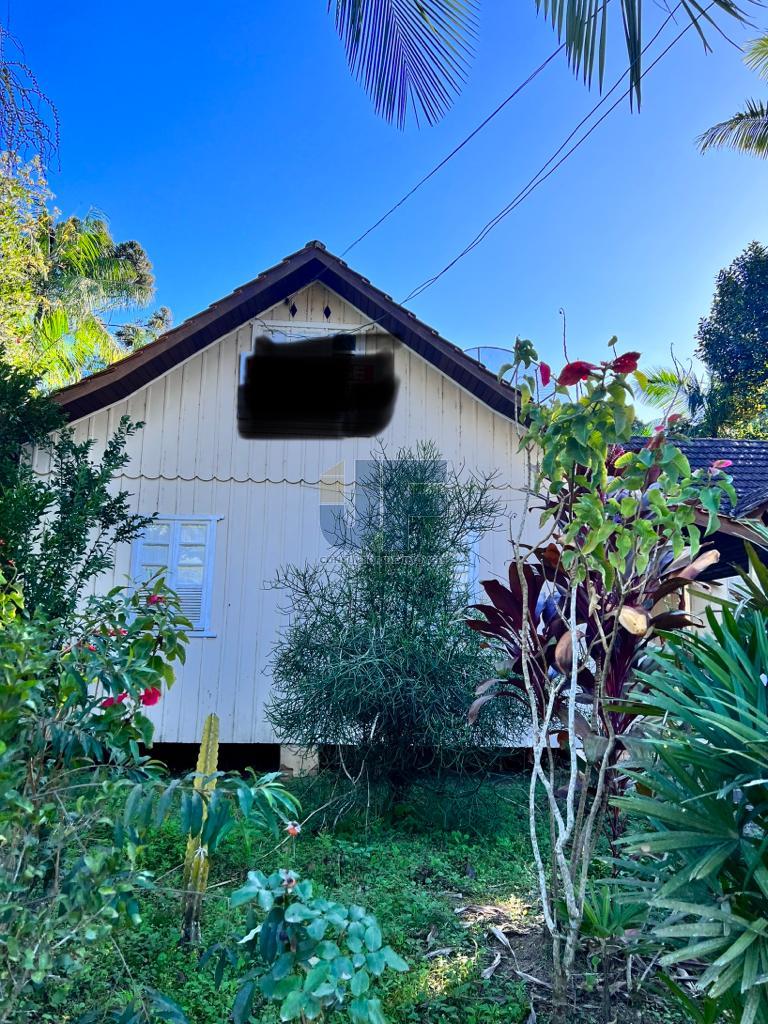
(316, 976)
(292, 1007)
(360, 983)
(241, 1009)
(297, 912)
(393, 960)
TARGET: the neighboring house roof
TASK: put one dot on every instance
(297, 271)
(749, 469)
(749, 473)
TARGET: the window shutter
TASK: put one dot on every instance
(183, 547)
(190, 565)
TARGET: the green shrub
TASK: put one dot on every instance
(375, 658)
(77, 798)
(57, 531)
(705, 820)
(70, 727)
(311, 955)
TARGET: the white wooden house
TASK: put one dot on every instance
(231, 512)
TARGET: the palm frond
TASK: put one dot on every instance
(408, 53)
(87, 277)
(584, 25)
(662, 387)
(746, 132)
(757, 56)
(93, 344)
(674, 391)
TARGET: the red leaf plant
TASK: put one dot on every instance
(529, 618)
(576, 371)
(626, 363)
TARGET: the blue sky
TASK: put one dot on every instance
(223, 137)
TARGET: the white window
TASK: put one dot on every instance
(183, 547)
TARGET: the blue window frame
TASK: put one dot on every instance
(183, 547)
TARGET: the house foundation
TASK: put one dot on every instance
(296, 761)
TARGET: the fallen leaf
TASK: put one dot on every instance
(532, 979)
(499, 934)
(489, 970)
(446, 951)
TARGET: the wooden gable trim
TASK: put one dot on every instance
(311, 264)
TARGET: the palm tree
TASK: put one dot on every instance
(87, 278)
(705, 407)
(746, 131)
(676, 391)
(416, 53)
(65, 285)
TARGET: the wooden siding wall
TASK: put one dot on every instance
(189, 459)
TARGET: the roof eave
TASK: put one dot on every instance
(308, 265)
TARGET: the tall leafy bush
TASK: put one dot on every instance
(57, 531)
(621, 528)
(78, 798)
(375, 658)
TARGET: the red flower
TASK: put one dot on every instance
(626, 363)
(155, 599)
(721, 464)
(674, 418)
(150, 696)
(90, 647)
(572, 373)
(114, 700)
(546, 373)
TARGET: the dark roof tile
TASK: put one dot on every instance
(749, 470)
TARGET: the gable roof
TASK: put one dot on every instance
(297, 271)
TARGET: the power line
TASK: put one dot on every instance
(540, 176)
(454, 151)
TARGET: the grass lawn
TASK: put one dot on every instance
(438, 890)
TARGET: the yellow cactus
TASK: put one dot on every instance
(196, 860)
